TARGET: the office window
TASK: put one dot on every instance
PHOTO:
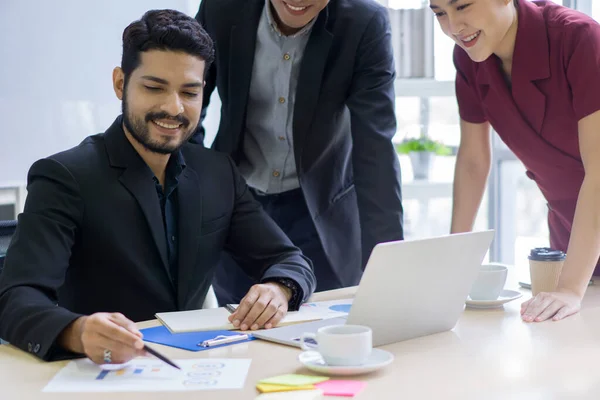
(443, 120)
(595, 10)
(435, 116)
(443, 47)
(523, 217)
(408, 117)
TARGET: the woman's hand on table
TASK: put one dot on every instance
(551, 305)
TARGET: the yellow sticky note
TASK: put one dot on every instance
(268, 388)
(294, 380)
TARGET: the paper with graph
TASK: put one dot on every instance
(151, 375)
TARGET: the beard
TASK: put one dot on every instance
(138, 128)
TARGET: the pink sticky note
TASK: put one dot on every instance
(341, 388)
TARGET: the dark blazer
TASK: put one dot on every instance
(344, 119)
(91, 239)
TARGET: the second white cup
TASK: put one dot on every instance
(341, 345)
(490, 282)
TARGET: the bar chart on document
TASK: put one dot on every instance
(145, 375)
(141, 370)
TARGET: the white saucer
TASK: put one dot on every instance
(505, 297)
(378, 359)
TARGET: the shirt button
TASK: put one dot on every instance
(36, 349)
(29, 347)
(276, 173)
(286, 56)
(281, 100)
(281, 138)
(172, 238)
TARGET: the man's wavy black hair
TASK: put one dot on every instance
(165, 30)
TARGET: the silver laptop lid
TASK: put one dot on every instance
(414, 288)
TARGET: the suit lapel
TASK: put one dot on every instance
(309, 79)
(190, 221)
(496, 94)
(242, 45)
(137, 179)
(531, 63)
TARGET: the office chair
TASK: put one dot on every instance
(7, 229)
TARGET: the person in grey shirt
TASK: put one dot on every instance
(308, 116)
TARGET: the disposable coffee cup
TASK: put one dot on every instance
(545, 266)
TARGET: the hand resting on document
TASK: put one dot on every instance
(263, 306)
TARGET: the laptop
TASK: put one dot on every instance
(409, 289)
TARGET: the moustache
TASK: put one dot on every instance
(163, 115)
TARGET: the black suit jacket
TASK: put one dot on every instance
(91, 239)
(344, 119)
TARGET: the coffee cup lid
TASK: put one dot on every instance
(546, 254)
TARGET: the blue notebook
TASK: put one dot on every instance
(186, 341)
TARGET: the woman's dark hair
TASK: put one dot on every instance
(165, 30)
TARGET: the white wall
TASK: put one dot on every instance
(56, 62)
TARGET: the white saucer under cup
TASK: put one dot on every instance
(377, 360)
(505, 297)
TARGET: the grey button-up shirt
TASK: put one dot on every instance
(269, 164)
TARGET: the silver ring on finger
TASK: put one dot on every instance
(107, 356)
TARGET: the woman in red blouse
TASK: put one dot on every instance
(531, 70)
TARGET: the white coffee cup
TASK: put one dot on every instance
(341, 345)
(490, 282)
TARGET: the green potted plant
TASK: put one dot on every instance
(420, 151)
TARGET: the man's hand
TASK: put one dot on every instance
(556, 305)
(94, 334)
(264, 305)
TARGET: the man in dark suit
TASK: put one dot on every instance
(134, 221)
(307, 91)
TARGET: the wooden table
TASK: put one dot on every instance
(490, 354)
